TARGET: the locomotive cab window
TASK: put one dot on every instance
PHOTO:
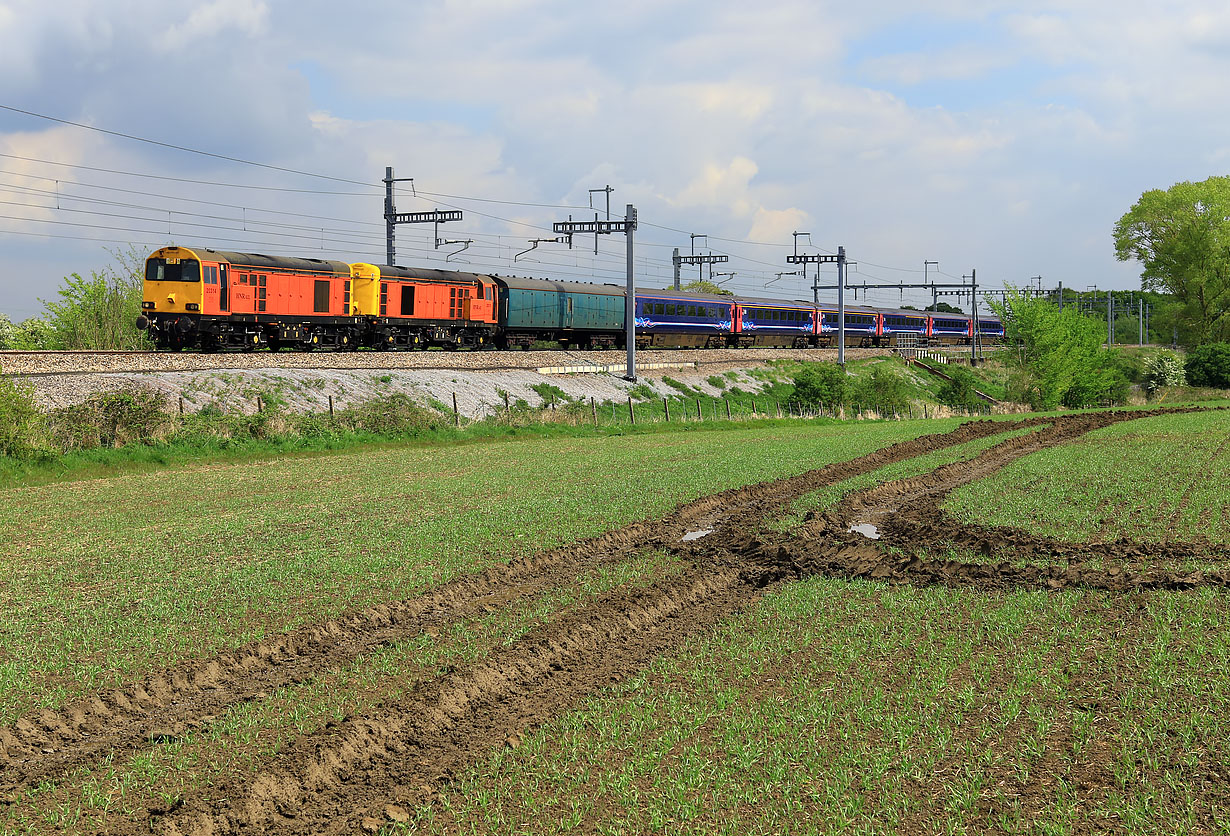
(159, 270)
(407, 300)
(320, 296)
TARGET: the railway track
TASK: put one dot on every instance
(59, 363)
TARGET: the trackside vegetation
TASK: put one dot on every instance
(1062, 360)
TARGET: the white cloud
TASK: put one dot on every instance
(248, 17)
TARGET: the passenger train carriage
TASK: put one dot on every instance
(198, 297)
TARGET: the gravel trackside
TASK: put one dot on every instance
(305, 382)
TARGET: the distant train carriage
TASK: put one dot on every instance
(572, 313)
(950, 329)
(862, 326)
(990, 329)
(776, 322)
(669, 318)
(895, 323)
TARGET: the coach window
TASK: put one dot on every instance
(321, 296)
(659, 308)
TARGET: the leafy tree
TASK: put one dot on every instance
(1181, 236)
(702, 286)
(819, 384)
(100, 312)
(1062, 353)
(1162, 370)
(1209, 365)
(943, 307)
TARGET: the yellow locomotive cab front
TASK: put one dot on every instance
(173, 281)
(172, 297)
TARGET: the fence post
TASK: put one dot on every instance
(507, 407)
(666, 406)
(593, 407)
(456, 412)
(260, 406)
(727, 408)
(181, 406)
(631, 410)
(753, 407)
(699, 415)
(778, 406)
(330, 406)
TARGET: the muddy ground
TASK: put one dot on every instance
(362, 772)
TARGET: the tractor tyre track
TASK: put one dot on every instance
(339, 780)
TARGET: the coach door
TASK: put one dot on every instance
(224, 288)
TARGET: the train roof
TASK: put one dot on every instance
(904, 311)
(340, 268)
(671, 293)
(430, 274)
(858, 309)
(764, 301)
(519, 283)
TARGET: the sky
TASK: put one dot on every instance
(1001, 137)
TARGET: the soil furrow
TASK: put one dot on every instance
(344, 778)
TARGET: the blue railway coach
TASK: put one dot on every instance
(776, 322)
(688, 320)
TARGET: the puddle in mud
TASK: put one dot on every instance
(696, 535)
(867, 530)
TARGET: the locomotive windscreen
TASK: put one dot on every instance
(157, 270)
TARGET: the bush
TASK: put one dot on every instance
(112, 419)
(1162, 370)
(23, 429)
(819, 384)
(34, 334)
(1209, 365)
(1097, 387)
(961, 389)
(883, 390)
(392, 415)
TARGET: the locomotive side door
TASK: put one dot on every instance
(224, 288)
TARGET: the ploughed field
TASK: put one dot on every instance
(1027, 631)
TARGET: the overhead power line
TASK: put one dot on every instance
(183, 148)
